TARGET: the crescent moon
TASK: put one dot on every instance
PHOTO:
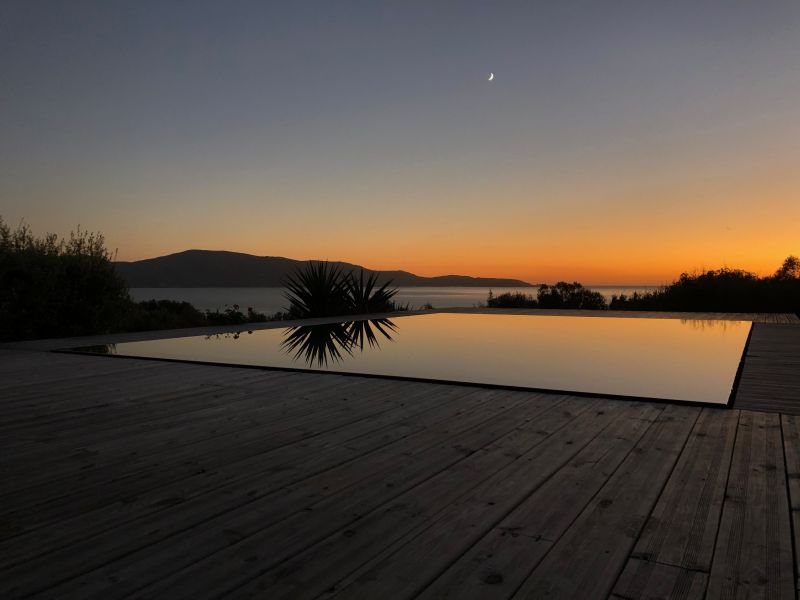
(491, 76)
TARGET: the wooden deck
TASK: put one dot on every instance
(125, 478)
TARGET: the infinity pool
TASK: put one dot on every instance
(671, 359)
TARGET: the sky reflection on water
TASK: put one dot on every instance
(687, 360)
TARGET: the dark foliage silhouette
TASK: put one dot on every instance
(319, 289)
(790, 269)
(57, 287)
(569, 295)
(363, 297)
(560, 295)
(360, 331)
(51, 287)
(723, 290)
(318, 345)
(170, 314)
(511, 300)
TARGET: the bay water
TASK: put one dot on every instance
(271, 299)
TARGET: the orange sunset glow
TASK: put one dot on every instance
(632, 146)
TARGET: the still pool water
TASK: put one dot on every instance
(683, 360)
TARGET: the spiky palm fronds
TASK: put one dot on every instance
(320, 344)
(364, 298)
(317, 290)
(359, 331)
(317, 344)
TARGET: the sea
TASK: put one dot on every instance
(271, 299)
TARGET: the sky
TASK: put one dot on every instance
(620, 142)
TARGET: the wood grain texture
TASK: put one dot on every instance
(753, 555)
(770, 377)
(587, 559)
(146, 479)
(682, 529)
(497, 564)
(654, 581)
(791, 445)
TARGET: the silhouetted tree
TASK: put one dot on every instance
(51, 287)
(560, 295)
(569, 295)
(723, 290)
(790, 269)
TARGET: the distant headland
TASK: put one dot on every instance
(218, 268)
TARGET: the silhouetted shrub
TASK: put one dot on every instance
(161, 314)
(234, 316)
(170, 314)
(560, 295)
(723, 290)
(569, 295)
(511, 300)
(51, 287)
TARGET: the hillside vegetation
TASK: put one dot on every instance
(720, 290)
(60, 287)
(723, 290)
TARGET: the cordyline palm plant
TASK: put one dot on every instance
(364, 298)
(319, 289)
(331, 342)
(318, 343)
(358, 331)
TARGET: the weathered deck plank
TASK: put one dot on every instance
(446, 530)
(153, 478)
(673, 554)
(98, 484)
(770, 377)
(652, 580)
(234, 484)
(198, 416)
(496, 564)
(682, 529)
(443, 472)
(201, 502)
(586, 561)
(753, 555)
(791, 445)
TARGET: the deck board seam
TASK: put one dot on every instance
(654, 503)
(273, 449)
(724, 500)
(226, 484)
(575, 517)
(254, 532)
(523, 500)
(789, 503)
(414, 532)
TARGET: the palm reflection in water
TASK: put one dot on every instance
(319, 344)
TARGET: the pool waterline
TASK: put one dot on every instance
(692, 361)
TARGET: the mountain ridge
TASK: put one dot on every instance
(223, 268)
